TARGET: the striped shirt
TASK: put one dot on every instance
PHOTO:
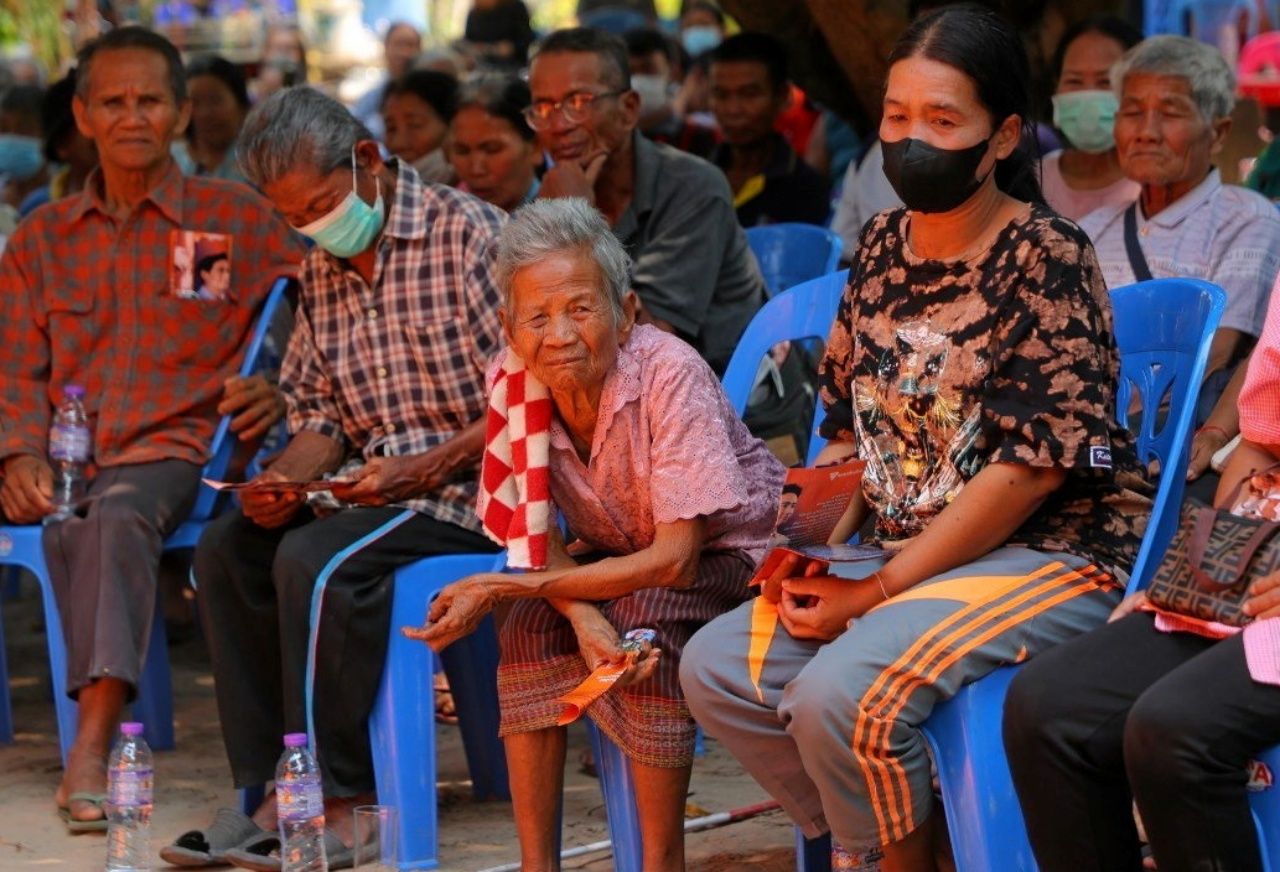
(1224, 234)
(398, 367)
(88, 300)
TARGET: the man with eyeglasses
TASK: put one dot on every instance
(673, 212)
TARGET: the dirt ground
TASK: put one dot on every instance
(193, 780)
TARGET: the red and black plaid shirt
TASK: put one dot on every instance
(87, 301)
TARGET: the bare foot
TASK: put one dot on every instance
(86, 772)
(339, 814)
(265, 816)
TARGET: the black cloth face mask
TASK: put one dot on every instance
(931, 179)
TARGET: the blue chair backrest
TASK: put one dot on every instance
(805, 311)
(1163, 329)
(223, 446)
(789, 254)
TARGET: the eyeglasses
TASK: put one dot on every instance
(574, 108)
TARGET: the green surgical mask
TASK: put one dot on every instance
(1087, 119)
(351, 226)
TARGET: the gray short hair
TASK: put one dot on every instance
(1213, 85)
(546, 227)
(297, 127)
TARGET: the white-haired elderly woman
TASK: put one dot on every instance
(658, 479)
(1176, 97)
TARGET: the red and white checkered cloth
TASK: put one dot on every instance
(515, 479)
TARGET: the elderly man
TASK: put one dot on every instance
(400, 47)
(89, 301)
(1176, 97)
(397, 320)
(673, 213)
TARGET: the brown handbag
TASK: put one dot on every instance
(1214, 557)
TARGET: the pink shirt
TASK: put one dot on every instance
(1074, 203)
(668, 446)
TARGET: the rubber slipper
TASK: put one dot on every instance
(97, 825)
(230, 829)
(263, 854)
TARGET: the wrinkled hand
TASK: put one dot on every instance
(457, 611)
(1264, 598)
(600, 645)
(385, 480)
(1204, 445)
(270, 509)
(1128, 606)
(574, 178)
(821, 607)
(792, 566)
(255, 403)
(26, 495)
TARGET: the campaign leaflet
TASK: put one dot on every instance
(813, 501)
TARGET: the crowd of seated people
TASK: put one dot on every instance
(571, 210)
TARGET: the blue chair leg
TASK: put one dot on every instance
(1265, 805)
(813, 855)
(154, 704)
(64, 707)
(983, 815)
(619, 801)
(6, 708)
(251, 798)
(472, 666)
(402, 723)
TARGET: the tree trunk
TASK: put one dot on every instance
(839, 49)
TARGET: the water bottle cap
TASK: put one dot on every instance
(76, 391)
(295, 740)
(131, 728)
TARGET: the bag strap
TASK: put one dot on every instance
(1137, 260)
(1202, 526)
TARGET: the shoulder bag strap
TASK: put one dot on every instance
(1137, 260)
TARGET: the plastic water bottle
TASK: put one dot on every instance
(129, 784)
(844, 860)
(300, 808)
(70, 445)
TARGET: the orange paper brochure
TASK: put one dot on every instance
(576, 701)
(813, 501)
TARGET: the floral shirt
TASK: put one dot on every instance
(936, 368)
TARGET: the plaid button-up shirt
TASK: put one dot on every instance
(87, 300)
(398, 367)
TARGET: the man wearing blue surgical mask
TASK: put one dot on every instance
(22, 162)
(1085, 174)
(384, 386)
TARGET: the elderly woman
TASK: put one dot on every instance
(656, 477)
(1176, 97)
(1176, 727)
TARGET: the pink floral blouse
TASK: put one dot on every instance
(668, 446)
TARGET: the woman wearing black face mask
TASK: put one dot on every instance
(972, 367)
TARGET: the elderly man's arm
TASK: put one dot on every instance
(385, 480)
(671, 561)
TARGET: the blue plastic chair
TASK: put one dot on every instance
(23, 546)
(789, 254)
(402, 723)
(1163, 329)
(1265, 805)
(805, 311)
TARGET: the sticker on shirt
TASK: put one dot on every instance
(1100, 456)
(199, 265)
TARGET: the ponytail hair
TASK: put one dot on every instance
(986, 48)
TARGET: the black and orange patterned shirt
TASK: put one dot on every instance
(936, 368)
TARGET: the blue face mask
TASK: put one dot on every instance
(21, 157)
(351, 226)
(699, 39)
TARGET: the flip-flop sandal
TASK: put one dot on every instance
(263, 854)
(74, 825)
(230, 829)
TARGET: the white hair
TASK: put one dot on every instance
(297, 127)
(1213, 86)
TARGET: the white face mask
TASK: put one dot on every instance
(652, 91)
